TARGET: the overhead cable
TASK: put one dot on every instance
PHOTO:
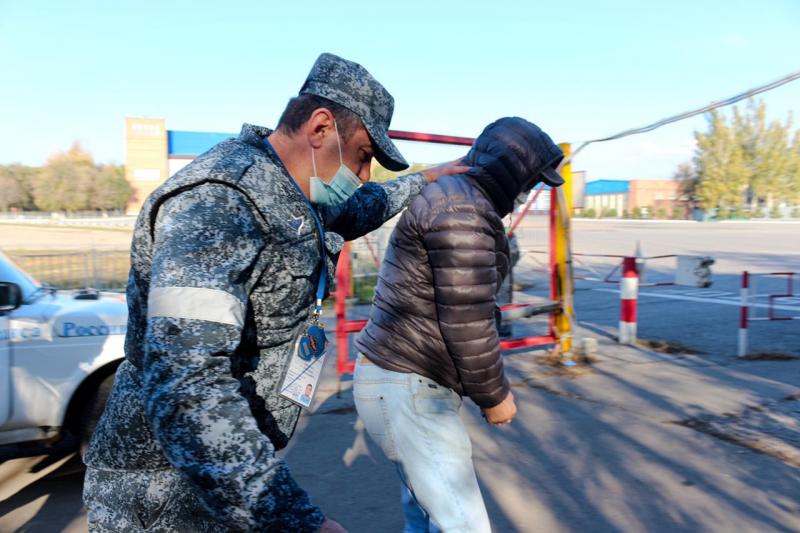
(692, 113)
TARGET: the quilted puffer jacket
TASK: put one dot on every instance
(434, 307)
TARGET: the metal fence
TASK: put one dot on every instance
(106, 270)
(114, 219)
(367, 254)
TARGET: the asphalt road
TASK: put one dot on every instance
(703, 320)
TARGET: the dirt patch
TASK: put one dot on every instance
(772, 429)
(769, 356)
(557, 360)
(557, 365)
(667, 347)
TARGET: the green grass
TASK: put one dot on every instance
(364, 285)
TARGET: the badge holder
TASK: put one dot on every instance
(309, 352)
(310, 346)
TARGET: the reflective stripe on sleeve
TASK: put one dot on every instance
(195, 303)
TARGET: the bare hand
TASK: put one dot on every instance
(502, 413)
(445, 169)
(331, 526)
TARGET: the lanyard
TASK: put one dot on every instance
(323, 274)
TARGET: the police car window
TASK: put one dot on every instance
(10, 273)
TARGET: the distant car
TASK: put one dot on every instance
(59, 351)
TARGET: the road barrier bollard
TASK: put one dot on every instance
(743, 311)
(629, 288)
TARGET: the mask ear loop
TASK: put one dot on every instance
(313, 162)
(338, 142)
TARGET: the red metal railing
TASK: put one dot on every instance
(344, 289)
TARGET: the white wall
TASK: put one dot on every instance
(174, 165)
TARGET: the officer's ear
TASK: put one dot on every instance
(318, 126)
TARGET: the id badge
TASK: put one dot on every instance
(305, 368)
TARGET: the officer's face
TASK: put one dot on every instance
(356, 154)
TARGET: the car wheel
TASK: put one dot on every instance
(92, 410)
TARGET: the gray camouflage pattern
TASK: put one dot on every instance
(188, 438)
(350, 85)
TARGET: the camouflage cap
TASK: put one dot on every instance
(351, 86)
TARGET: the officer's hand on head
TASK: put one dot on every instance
(502, 413)
(331, 526)
(444, 169)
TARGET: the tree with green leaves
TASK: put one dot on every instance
(71, 181)
(110, 190)
(16, 181)
(791, 187)
(767, 155)
(742, 163)
(719, 162)
(64, 183)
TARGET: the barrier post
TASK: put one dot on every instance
(343, 363)
(743, 313)
(560, 309)
(629, 288)
(560, 241)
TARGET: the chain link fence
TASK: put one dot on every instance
(102, 270)
(100, 219)
(367, 254)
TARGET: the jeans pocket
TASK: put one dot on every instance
(430, 397)
(373, 411)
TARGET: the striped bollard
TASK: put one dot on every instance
(629, 287)
(743, 312)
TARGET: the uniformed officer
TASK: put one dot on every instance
(226, 258)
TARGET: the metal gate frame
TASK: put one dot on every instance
(559, 325)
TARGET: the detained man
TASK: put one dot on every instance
(432, 338)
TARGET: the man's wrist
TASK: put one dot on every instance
(429, 175)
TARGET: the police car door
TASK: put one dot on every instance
(5, 369)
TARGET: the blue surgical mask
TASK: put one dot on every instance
(343, 185)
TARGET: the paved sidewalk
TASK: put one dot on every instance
(611, 447)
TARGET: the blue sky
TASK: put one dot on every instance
(581, 69)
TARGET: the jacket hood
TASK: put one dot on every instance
(508, 158)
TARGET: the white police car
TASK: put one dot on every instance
(58, 354)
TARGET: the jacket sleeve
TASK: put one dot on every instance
(206, 242)
(371, 206)
(461, 248)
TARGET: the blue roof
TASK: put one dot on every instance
(193, 142)
(607, 187)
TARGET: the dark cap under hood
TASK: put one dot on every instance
(509, 157)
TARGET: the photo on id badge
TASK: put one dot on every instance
(305, 368)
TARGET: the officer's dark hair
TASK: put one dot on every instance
(300, 108)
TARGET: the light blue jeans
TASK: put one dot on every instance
(415, 422)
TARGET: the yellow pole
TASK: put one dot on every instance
(564, 320)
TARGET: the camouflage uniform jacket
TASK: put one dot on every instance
(224, 267)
